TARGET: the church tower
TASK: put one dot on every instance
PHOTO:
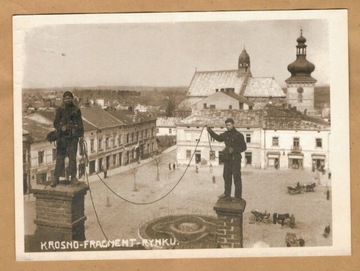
(300, 85)
(244, 64)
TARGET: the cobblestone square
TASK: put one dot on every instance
(196, 193)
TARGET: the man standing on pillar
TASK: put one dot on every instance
(234, 146)
(69, 127)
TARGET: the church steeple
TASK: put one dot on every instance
(301, 68)
(300, 85)
(244, 61)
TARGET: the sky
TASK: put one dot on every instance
(166, 53)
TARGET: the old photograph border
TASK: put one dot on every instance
(7, 225)
(339, 150)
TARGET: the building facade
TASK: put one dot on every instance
(276, 137)
(112, 139)
(166, 126)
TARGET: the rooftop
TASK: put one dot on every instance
(205, 83)
(167, 122)
(263, 87)
(270, 118)
(217, 117)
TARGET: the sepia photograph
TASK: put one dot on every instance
(181, 135)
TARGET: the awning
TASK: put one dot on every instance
(318, 156)
(272, 154)
(295, 155)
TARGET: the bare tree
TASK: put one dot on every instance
(133, 171)
(157, 161)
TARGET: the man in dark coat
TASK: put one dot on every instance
(234, 146)
(69, 127)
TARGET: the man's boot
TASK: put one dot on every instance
(54, 182)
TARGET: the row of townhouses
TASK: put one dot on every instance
(276, 137)
(113, 139)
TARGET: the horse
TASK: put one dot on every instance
(280, 218)
(310, 187)
(296, 190)
(292, 241)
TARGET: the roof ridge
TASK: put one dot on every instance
(233, 70)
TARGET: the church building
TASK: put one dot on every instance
(253, 91)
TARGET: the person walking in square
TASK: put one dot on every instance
(234, 145)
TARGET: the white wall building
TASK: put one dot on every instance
(204, 150)
(223, 99)
(276, 138)
(166, 126)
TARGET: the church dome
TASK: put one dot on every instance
(301, 68)
(301, 39)
(244, 59)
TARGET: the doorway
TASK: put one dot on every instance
(197, 157)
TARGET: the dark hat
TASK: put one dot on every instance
(229, 120)
(68, 94)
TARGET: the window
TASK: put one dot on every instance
(250, 107)
(248, 138)
(241, 105)
(188, 154)
(300, 98)
(170, 131)
(318, 143)
(146, 133)
(41, 157)
(120, 159)
(132, 137)
(113, 142)
(100, 144)
(204, 105)
(230, 106)
(212, 155)
(296, 142)
(92, 144)
(275, 141)
(120, 139)
(107, 143)
(127, 138)
(157, 130)
(188, 136)
(137, 136)
(248, 158)
(212, 106)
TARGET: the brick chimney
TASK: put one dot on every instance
(229, 233)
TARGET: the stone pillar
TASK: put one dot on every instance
(229, 232)
(60, 212)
